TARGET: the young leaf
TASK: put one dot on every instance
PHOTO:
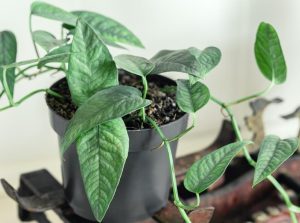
(105, 105)
(269, 55)
(102, 152)
(91, 66)
(133, 64)
(273, 152)
(110, 31)
(190, 98)
(48, 11)
(8, 53)
(46, 40)
(58, 55)
(210, 168)
(191, 61)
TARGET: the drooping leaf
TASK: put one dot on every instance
(111, 31)
(175, 60)
(108, 29)
(46, 40)
(191, 61)
(269, 55)
(48, 11)
(105, 105)
(91, 66)
(134, 64)
(190, 98)
(57, 55)
(207, 58)
(273, 152)
(210, 168)
(8, 54)
(102, 152)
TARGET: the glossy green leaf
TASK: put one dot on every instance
(91, 67)
(134, 64)
(190, 98)
(48, 11)
(105, 105)
(8, 53)
(211, 167)
(46, 40)
(102, 152)
(110, 30)
(273, 152)
(269, 55)
(191, 61)
(57, 55)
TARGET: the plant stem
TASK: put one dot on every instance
(21, 72)
(185, 131)
(15, 104)
(172, 168)
(31, 33)
(285, 197)
(252, 96)
(6, 87)
(295, 208)
(252, 162)
(145, 90)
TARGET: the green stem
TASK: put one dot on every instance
(23, 75)
(252, 162)
(6, 87)
(295, 208)
(18, 64)
(189, 207)
(172, 169)
(31, 33)
(17, 103)
(145, 91)
(185, 131)
(285, 197)
(22, 72)
(252, 96)
(63, 65)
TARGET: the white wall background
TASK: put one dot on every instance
(26, 140)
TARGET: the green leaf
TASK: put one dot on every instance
(190, 98)
(8, 54)
(57, 55)
(108, 29)
(133, 64)
(211, 167)
(208, 59)
(191, 61)
(269, 55)
(273, 152)
(48, 11)
(102, 152)
(105, 105)
(91, 66)
(175, 60)
(46, 40)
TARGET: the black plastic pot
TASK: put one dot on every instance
(145, 182)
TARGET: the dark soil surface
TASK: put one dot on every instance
(161, 91)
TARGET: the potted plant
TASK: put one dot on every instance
(114, 169)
